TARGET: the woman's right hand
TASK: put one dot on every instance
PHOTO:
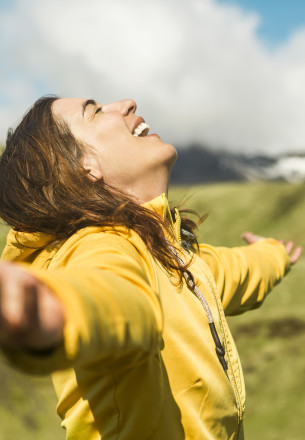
(31, 317)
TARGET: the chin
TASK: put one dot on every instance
(172, 155)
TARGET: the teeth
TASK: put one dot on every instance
(142, 129)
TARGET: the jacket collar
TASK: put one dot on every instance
(160, 205)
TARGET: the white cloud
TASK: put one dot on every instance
(196, 68)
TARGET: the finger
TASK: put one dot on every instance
(11, 308)
(289, 246)
(31, 311)
(294, 257)
(11, 301)
(250, 238)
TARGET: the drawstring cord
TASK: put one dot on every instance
(220, 351)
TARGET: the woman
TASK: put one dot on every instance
(113, 297)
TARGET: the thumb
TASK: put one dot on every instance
(250, 238)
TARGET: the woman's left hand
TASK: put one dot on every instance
(293, 251)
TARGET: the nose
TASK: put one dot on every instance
(124, 107)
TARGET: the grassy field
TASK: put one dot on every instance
(271, 340)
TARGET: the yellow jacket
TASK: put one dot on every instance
(138, 361)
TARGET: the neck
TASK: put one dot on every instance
(149, 188)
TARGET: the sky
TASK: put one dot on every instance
(278, 18)
(226, 74)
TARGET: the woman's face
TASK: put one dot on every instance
(120, 151)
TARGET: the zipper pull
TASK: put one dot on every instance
(220, 351)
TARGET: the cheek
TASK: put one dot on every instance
(117, 166)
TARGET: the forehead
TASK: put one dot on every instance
(68, 108)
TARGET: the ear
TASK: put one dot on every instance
(92, 166)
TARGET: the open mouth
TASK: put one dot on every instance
(141, 130)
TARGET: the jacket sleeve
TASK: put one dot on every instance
(245, 275)
(112, 311)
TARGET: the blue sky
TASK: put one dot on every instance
(227, 74)
(280, 18)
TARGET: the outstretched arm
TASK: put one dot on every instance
(98, 306)
(31, 317)
(293, 252)
(245, 275)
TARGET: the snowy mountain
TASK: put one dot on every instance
(198, 164)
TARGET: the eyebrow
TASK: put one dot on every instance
(88, 102)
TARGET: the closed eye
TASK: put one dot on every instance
(99, 109)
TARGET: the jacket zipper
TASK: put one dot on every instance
(233, 380)
(177, 227)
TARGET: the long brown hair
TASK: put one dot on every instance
(45, 188)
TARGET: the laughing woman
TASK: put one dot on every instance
(105, 287)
